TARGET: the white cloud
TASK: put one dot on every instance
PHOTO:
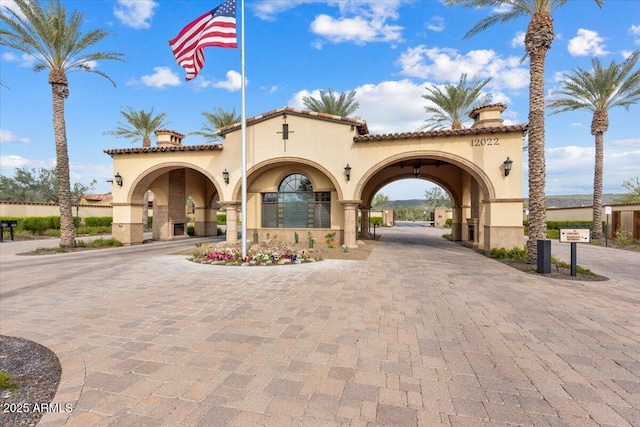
(570, 168)
(8, 136)
(587, 43)
(390, 106)
(135, 13)
(634, 30)
(446, 65)
(358, 29)
(270, 90)
(11, 5)
(232, 83)
(518, 39)
(11, 162)
(436, 23)
(162, 77)
(24, 60)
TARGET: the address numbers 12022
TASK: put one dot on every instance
(483, 142)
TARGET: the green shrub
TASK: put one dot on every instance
(150, 222)
(448, 223)
(98, 221)
(6, 382)
(191, 231)
(514, 254)
(553, 233)
(39, 224)
(92, 231)
(375, 221)
(221, 219)
(99, 243)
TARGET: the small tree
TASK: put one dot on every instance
(380, 200)
(633, 187)
(38, 185)
(437, 198)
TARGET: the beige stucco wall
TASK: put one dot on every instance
(321, 148)
(13, 209)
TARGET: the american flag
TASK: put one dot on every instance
(215, 28)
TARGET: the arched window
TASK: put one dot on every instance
(296, 205)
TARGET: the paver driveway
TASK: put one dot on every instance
(425, 332)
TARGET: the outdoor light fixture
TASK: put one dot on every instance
(347, 172)
(416, 171)
(507, 166)
(118, 178)
(225, 175)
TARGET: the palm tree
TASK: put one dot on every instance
(454, 103)
(219, 119)
(139, 126)
(59, 46)
(342, 105)
(599, 90)
(537, 41)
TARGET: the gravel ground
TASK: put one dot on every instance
(36, 370)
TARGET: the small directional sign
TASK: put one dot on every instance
(575, 235)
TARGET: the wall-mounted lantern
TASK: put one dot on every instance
(507, 166)
(347, 172)
(225, 176)
(118, 178)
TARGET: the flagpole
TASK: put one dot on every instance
(244, 139)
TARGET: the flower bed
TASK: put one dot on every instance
(274, 254)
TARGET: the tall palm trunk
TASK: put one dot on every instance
(538, 41)
(60, 92)
(599, 126)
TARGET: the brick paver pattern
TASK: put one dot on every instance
(423, 333)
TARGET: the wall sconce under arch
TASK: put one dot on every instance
(225, 176)
(507, 166)
(347, 172)
(118, 178)
(416, 171)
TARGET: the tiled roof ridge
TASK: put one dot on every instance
(446, 132)
(181, 135)
(485, 106)
(296, 111)
(172, 148)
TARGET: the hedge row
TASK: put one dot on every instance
(557, 225)
(39, 224)
(98, 221)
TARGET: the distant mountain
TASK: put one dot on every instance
(568, 201)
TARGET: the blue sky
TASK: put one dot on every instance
(386, 50)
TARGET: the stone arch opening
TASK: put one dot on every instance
(467, 185)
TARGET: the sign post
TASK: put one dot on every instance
(607, 212)
(574, 236)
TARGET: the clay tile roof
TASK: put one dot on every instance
(361, 124)
(164, 149)
(181, 135)
(500, 105)
(96, 197)
(437, 133)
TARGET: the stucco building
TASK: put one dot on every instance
(316, 173)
